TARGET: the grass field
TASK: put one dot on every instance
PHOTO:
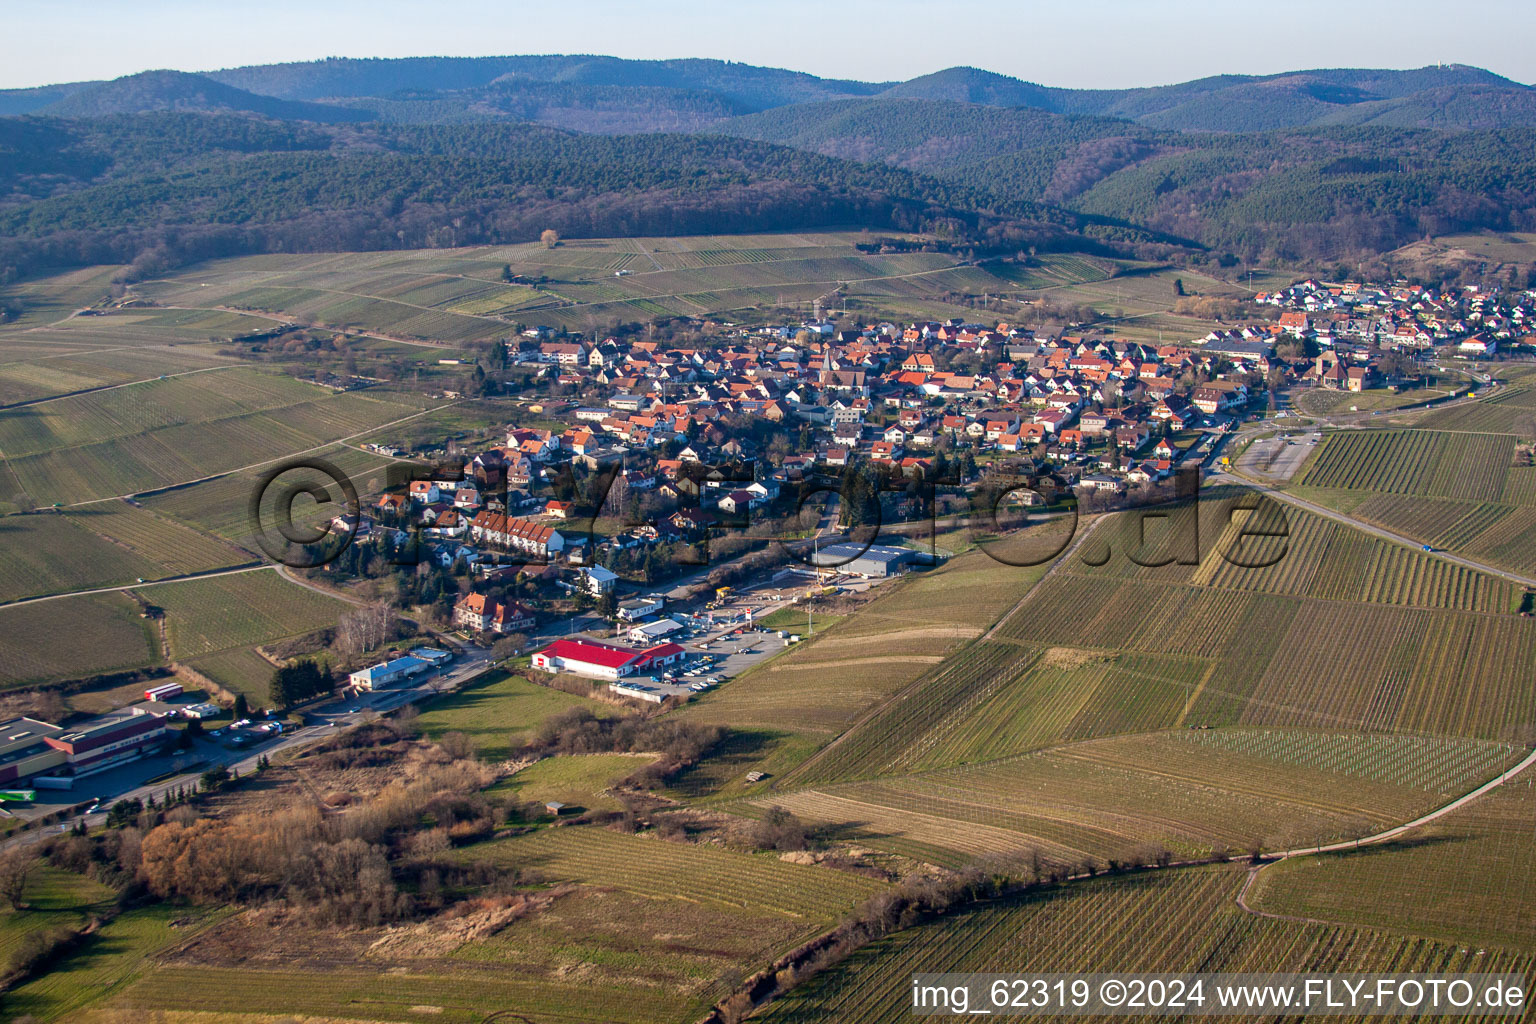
(1187, 791)
(1173, 921)
(1464, 878)
(501, 712)
(655, 868)
(578, 781)
(53, 897)
(120, 952)
(224, 612)
(72, 637)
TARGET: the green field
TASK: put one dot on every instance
(72, 637)
(224, 612)
(120, 952)
(1189, 792)
(655, 868)
(239, 670)
(53, 897)
(1167, 921)
(173, 431)
(98, 546)
(578, 780)
(1463, 878)
(500, 712)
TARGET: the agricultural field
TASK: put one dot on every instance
(1170, 921)
(167, 432)
(117, 954)
(501, 712)
(1463, 878)
(654, 868)
(1510, 410)
(458, 296)
(781, 711)
(221, 506)
(223, 612)
(1306, 662)
(1111, 798)
(28, 375)
(239, 670)
(101, 545)
(53, 897)
(72, 637)
(580, 781)
(1435, 464)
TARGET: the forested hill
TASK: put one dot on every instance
(1292, 193)
(169, 187)
(345, 153)
(1453, 96)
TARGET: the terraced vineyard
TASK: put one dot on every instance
(1182, 920)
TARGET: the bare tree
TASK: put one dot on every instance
(361, 631)
(550, 237)
(16, 864)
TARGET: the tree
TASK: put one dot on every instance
(550, 237)
(509, 646)
(15, 865)
(1178, 286)
(506, 272)
(242, 707)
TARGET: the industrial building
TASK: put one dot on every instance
(24, 748)
(876, 560)
(108, 740)
(29, 747)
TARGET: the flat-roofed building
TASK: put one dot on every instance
(24, 748)
(108, 740)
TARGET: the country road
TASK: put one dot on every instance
(1377, 531)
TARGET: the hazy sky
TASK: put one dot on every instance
(1111, 43)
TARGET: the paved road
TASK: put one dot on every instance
(319, 722)
(141, 586)
(1377, 531)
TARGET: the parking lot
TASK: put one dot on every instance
(1278, 458)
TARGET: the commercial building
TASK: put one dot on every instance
(877, 560)
(388, 673)
(111, 739)
(648, 632)
(24, 748)
(597, 660)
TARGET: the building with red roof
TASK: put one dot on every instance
(597, 660)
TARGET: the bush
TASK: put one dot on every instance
(780, 830)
